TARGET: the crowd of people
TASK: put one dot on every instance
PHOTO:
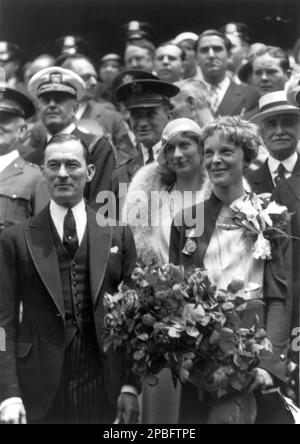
(205, 121)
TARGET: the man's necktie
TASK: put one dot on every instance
(281, 171)
(70, 239)
(151, 156)
(214, 99)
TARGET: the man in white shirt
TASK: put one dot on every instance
(279, 124)
(59, 265)
(20, 182)
(226, 97)
(147, 98)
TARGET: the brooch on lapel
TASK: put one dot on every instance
(190, 245)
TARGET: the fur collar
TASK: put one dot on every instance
(137, 208)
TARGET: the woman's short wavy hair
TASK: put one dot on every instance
(168, 176)
(235, 130)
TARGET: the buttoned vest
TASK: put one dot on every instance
(76, 290)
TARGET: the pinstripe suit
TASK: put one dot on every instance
(36, 362)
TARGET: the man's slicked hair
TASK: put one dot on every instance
(211, 33)
(144, 44)
(276, 53)
(170, 43)
(63, 138)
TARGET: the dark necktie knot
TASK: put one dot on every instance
(151, 156)
(281, 172)
(70, 238)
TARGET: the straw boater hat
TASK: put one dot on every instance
(272, 104)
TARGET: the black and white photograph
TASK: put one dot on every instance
(149, 214)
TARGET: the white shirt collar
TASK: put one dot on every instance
(7, 159)
(288, 163)
(224, 84)
(68, 130)
(59, 212)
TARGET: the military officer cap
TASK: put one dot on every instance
(9, 51)
(137, 30)
(71, 44)
(141, 89)
(15, 102)
(57, 79)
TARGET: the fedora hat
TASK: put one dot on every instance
(272, 104)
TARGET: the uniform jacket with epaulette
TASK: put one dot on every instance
(22, 193)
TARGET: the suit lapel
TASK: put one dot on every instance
(263, 181)
(293, 184)
(40, 243)
(87, 112)
(296, 170)
(100, 239)
(211, 209)
(231, 101)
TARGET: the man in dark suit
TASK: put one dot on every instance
(288, 193)
(58, 265)
(57, 92)
(279, 124)
(226, 96)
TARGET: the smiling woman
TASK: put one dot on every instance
(179, 181)
(226, 251)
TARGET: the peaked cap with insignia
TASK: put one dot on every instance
(141, 89)
(13, 101)
(56, 79)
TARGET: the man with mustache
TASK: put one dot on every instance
(226, 97)
(279, 124)
(57, 92)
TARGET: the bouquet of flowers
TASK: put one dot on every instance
(262, 218)
(176, 319)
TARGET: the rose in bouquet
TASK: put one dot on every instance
(176, 319)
